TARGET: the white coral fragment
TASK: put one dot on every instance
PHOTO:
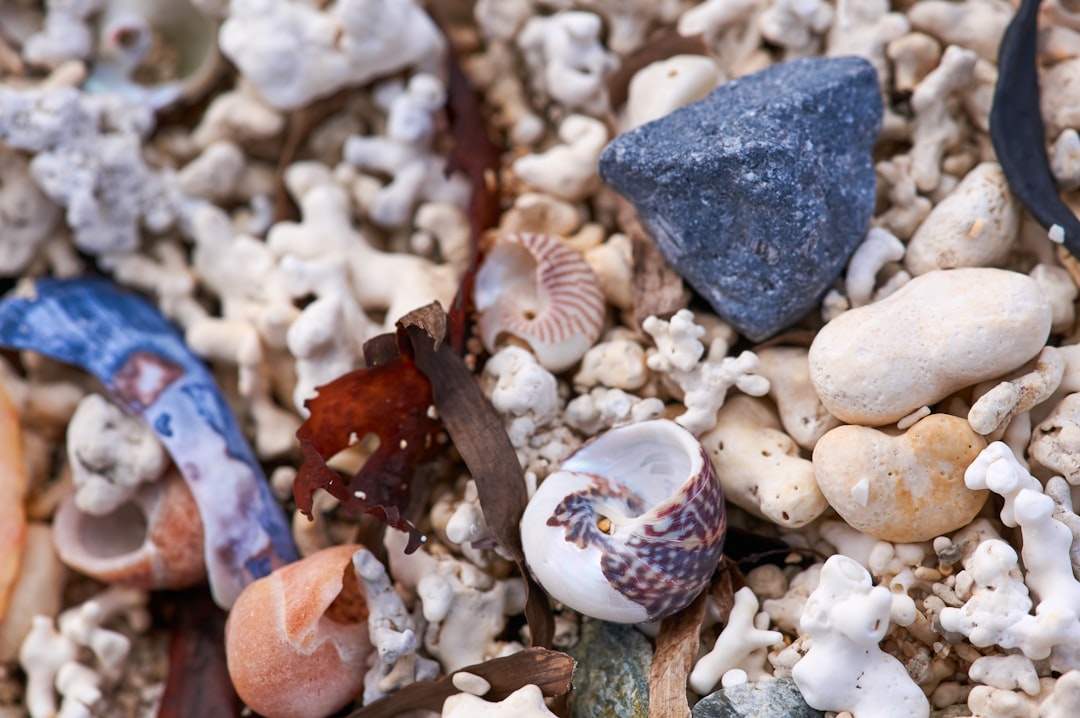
(878, 249)
(404, 152)
(845, 670)
(603, 408)
(567, 170)
(616, 363)
(525, 702)
(111, 454)
(567, 61)
(295, 52)
(526, 395)
(89, 160)
(53, 658)
(466, 608)
(703, 382)
(1009, 398)
(1054, 629)
(393, 633)
(739, 639)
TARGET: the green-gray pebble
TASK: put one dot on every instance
(612, 677)
(768, 699)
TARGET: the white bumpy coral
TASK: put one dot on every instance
(703, 382)
(294, 52)
(845, 670)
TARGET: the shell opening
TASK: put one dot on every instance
(114, 534)
(510, 269)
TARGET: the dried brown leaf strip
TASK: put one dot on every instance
(676, 649)
(479, 436)
(477, 156)
(550, 670)
(198, 682)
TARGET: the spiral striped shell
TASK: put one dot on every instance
(631, 526)
(535, 288)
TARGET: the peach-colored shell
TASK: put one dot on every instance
(12, 496)
(153, 541)
(536, 288)
(297, 640)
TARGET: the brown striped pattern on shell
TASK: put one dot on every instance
(534, 287)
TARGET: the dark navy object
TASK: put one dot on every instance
(142, 360)
(759, 193)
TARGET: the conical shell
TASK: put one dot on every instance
(631, 527)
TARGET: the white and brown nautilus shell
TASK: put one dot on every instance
(631, 526)
(536, 288)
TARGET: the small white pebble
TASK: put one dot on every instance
(470, 683)
(733, 677)
(860, 493)
(910, 420)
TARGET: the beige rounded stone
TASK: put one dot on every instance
(941, 332)
(901, 488)
(759, 466)
(975, 226)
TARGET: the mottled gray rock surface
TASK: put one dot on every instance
(767, 699)
(759, 193)
(612, 677)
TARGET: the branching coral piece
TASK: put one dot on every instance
(405, 152)
(704, 383)
(1054, 629)
(53, 657)
(392, 631)
(567, 61)
(846, 618)
(734, 645)
(466, 609)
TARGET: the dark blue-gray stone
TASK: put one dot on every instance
(759, 193)
(612, 676)
(768, 699)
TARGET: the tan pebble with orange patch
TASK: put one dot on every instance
(901, 488)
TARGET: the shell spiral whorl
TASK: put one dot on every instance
(536, 288)
(631, 527)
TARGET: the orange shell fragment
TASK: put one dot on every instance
(12, 498)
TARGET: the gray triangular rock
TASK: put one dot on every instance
(759, 193)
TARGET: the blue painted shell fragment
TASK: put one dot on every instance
(143, 362)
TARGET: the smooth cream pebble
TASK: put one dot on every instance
(901, 488)
(975, 226)
(941, 332)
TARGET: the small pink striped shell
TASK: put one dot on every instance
(535, 288)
